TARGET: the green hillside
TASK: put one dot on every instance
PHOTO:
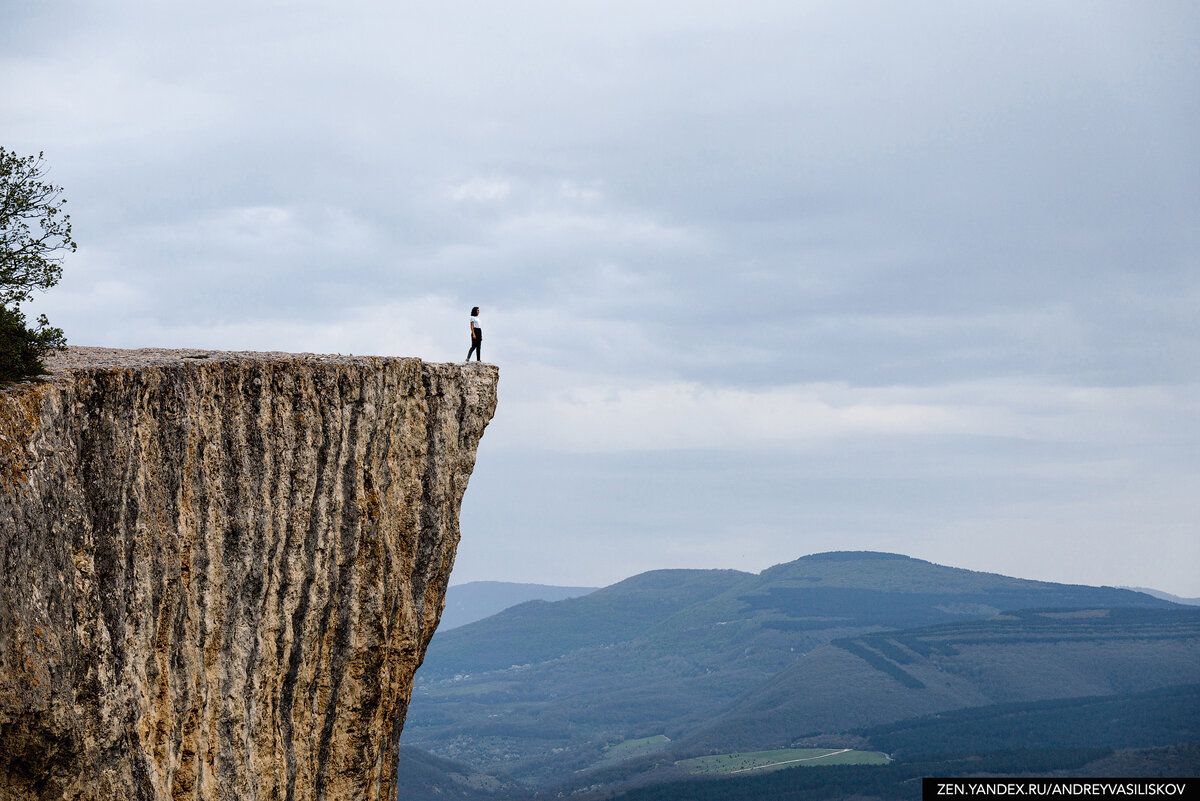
(1071, 737)
(421, 776)
(724, 661)
(1019, 656)
(475, 600)
(875, 589)
(537, 631)
(1156, 718)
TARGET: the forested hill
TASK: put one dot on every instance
(537, 631)
(543, 690)
(826, 591)
(1027, 655)
(475, 600)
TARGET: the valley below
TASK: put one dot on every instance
(838, 673)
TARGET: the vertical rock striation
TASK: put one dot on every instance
(219, 571)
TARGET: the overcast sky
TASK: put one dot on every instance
(763, 279)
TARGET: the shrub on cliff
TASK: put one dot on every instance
(22, 347)
(34, 235)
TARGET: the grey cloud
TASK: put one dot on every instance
(758, 197)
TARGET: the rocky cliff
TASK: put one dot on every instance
(219, 571)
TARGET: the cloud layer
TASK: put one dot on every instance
(955, 238)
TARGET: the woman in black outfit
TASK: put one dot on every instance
(476, 335)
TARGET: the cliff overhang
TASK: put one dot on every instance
(219, 571)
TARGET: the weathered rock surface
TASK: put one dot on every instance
(219, 571)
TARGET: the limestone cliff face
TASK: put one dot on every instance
(219, 571)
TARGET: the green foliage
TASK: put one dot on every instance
(879, 662)
(34, 231)
(34, 235)
(888, 648)
(22, 348)
(1155, 718)
(1182, 759)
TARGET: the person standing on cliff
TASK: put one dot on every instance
(476, 336)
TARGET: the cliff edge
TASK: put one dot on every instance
(219, 571)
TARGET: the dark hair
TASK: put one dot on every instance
(474, 310)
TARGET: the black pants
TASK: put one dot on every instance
(476, 343)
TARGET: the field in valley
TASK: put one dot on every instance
(758, 761)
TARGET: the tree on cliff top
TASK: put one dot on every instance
(35, 233)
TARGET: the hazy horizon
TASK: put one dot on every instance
(557, 585)
(762, 281)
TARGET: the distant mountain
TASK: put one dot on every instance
(1166, 596)
(545, 690)
(537, 631)
(475, 600)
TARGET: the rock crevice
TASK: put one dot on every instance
(219, 571)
